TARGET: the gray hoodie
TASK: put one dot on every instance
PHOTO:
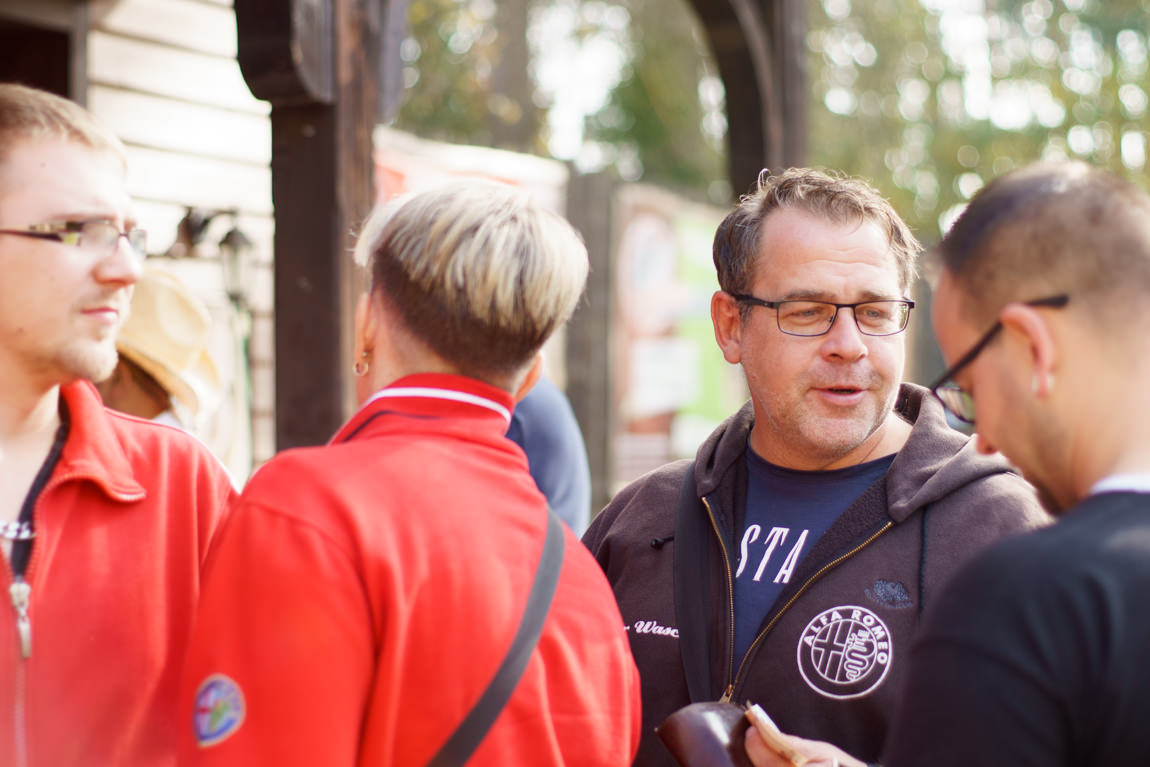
(828, 660)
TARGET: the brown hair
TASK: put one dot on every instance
(1049, 228)
(28, 113)
(833, 197)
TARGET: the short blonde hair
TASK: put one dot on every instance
(479, 272)
(28, 113)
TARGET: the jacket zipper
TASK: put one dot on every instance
(730, 598)
(730, 691)
(21, 592)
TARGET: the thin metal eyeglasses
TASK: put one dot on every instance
(885, 317)
(96, 235)
(953, 397)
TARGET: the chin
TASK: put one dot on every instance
(833, 441)
(95, 365)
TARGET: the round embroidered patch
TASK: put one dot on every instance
(219, 709)
(845, 652)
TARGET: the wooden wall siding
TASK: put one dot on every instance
(149, 67)
(163, 75)
(185, 128)
(205, 182)
(180, 24)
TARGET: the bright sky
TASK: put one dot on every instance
(577, 75)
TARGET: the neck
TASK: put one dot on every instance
(1104, 425)
(887, 439)
(28, 414)
(1129, 454)
(28, 422)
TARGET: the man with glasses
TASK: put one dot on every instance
(104, 519)
(1039, 651)
(789, 563)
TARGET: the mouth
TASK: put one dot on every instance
(842, 395)
(103, 314)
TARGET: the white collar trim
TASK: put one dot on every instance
(448, 394)
(1129, 483)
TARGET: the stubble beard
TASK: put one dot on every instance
(825, 438)
(93, 361)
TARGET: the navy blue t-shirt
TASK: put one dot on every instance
(787, 512)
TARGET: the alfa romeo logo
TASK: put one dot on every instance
(845, 652)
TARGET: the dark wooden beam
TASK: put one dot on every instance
(588, 355)
(758, 46)
(319, 64)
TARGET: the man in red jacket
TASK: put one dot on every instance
(104, 519)
(363, 594)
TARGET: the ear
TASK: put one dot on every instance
(1032, 329)
(728, 326)
(366, 323)
(533, 376)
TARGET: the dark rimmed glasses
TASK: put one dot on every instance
(885, 317)
(99, 236)
(953, 397)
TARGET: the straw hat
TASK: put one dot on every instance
(166, 334)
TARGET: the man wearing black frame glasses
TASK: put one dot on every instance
(1037, 652)
(954, 398)
(817, 522)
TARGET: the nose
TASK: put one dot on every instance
(844, 340)
(122, 265)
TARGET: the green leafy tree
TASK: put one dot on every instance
(465, 74)
(930, 103)
(665, 117)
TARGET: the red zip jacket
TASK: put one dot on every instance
(122, 527)
(363, 593)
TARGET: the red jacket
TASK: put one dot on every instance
(122, 527)
(363, 594)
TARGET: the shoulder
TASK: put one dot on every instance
(642, 507)
(544, 419)
(147, 444)
(1042, 577)
(1002, 500)
(299, 473)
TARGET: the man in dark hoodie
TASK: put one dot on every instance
(789, 564)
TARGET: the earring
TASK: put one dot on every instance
(361, 367)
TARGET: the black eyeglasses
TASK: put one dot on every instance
(98, 236)
(815, 318)
(953, 397)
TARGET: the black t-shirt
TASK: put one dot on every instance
(787, 512)
(1038, 652)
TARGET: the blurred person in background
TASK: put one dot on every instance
(544, 425)
(165, 373)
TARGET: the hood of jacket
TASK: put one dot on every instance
(935, 461)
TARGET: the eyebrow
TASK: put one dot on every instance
(130, 221)
(822, 295)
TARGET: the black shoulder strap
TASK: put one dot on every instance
(692, 588)
(469, 734)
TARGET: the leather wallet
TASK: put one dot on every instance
(708, 734)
